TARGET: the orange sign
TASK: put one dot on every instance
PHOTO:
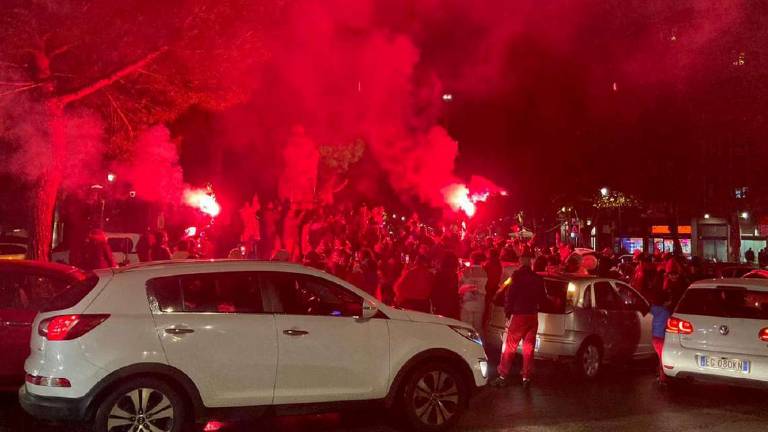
(664, 229)
(660, 229)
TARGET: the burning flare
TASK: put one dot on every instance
(202, 200)
(459, 197)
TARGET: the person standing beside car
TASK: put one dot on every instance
(472, 291)
(96, 253)
(524, 297)
(445, 293)
(160, 250)
(414, 288)
(494, 270)
(660, 311)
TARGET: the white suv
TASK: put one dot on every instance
(165, 344)
(719, 332)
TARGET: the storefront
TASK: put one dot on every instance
(631, 244)
(712, 239)
(753, 236)
(662, 240)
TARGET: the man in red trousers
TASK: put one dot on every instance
(523, 298)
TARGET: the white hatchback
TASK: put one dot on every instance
(156, 346)
(719, 333)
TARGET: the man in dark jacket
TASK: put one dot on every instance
(97, 254)
(524, 297)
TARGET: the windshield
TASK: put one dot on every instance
(728, 302)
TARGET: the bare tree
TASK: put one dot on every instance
(134, 63)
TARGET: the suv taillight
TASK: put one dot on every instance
(763, 335)
(676, 325)
(48, 381)
(68, 327)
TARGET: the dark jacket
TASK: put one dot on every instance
(97, 255)
(525, 294)
(445, 294)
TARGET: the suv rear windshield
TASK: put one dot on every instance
(72, 295)
(728, 302)
(556, 297)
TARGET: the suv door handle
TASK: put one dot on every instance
(295, 332)
(179, 331)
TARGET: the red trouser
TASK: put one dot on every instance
(520, 327)
(658, 345)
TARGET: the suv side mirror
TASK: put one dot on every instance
(370, 309)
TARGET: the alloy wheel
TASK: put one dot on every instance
(141, 410)
(591, 361)
(436, 398)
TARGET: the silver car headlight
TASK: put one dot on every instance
(468, 333)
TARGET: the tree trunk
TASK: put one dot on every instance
(43, 205)
(45, 192)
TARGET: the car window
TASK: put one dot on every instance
(72, 294)
(631, 299)
(29, 291)
(299, 294)
(230, 292)
(606, 297)
(556, 297)
(11, 249)
(728, 302)
(586, 300)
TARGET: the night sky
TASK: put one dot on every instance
(551, 100)
(561, 98)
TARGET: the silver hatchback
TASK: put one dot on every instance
(588, 319)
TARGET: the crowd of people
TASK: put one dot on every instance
(446, 269)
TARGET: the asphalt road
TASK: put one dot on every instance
(623, 399)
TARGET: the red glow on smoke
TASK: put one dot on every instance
(457, 197)
(203, 201)
(462, 197)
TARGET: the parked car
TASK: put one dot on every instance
(25, 288)
(587, 319)
(732, 270)
(13, 251)
(123, 247)
(163, 343)
(718, 333)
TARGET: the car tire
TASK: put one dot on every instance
(141, 401)
(434, 397)
(589, 360)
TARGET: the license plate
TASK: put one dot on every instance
(723, 363)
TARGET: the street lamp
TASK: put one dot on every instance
(744, 215)
(706, 215)
(111, 177)
(604, 191)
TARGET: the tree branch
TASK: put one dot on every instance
(108, 80)
(21, 89)
(120, 112)
(61, 50)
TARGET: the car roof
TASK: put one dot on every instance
(42, 267)
(212, 265)
(753, 284)
(572, 277)
(158, 269)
